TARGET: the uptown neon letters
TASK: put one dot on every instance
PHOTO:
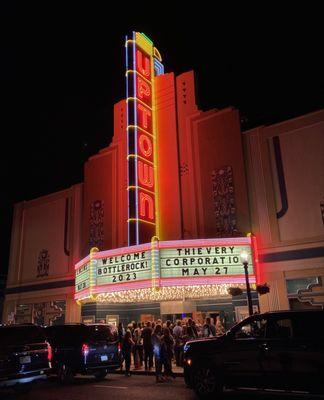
(142, 64)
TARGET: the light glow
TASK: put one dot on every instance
(164, 264)
(141, 137)
(244, 257)
(167, 293)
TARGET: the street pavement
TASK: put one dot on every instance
(136, 387)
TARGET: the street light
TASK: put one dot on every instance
(244, 259)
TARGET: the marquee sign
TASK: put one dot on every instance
(142, 65)
(127, 267)
(163, 264)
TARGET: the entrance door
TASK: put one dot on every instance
(147, 317)
(112, 320)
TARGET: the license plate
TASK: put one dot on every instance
(104, 358)
(25, 360)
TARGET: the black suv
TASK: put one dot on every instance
(83, 349)
(24, 355)
(281, 350)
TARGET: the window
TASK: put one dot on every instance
(293, 285)
(100, 332)
(253, 329)
(19, 335)
(309, 326)
(279, 328)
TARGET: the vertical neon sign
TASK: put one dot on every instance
(143, 63)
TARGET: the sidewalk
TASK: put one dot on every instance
(178, 371)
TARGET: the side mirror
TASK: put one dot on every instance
(229, 334)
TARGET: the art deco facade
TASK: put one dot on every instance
(214, 182)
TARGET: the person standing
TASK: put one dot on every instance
(220, 330)
(127, 346)
(157, 351)
(169, 326)
(209, 329)
(138, 348)
(120, 334)
(147, 346)
(177, 334)
(191, 323)
(167, 352)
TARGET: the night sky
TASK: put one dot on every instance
(62, 69)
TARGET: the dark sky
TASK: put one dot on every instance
(62, 69)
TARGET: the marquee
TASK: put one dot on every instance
(162, 264)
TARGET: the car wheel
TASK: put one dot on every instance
(65, 374)
(100, 375)
(206, 384)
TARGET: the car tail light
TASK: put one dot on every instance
(49, 352)
(85, 349)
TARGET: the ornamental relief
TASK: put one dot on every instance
(224, 202)
(96, 236)
(43, 263)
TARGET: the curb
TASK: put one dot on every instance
(144, 373)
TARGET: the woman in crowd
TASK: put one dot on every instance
(157, 351)
(127, 351)
(167, 352)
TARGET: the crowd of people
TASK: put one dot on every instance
(160, 343)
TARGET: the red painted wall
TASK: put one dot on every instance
(208, 141)
(168, 160)
(105, 179)
(190, 144)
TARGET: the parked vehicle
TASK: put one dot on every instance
(24, 355)
(281, 350)
(84, 349)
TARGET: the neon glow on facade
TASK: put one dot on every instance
(150, 269)
(143, 62)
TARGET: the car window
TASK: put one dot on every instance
(100, 332)
(65, 335)
(308, 326)
(252, 329)
(279, 328)
(21, 335)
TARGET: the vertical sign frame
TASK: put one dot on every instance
(142, 64)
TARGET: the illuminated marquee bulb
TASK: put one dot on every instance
(145, 174)
(143, 68)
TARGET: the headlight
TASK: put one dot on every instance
(186, 347)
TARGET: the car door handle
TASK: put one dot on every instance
(264, 347)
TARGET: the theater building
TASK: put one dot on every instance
(158, 225)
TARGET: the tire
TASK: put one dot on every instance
(206, 384)
(65, 374)
(100, 375)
